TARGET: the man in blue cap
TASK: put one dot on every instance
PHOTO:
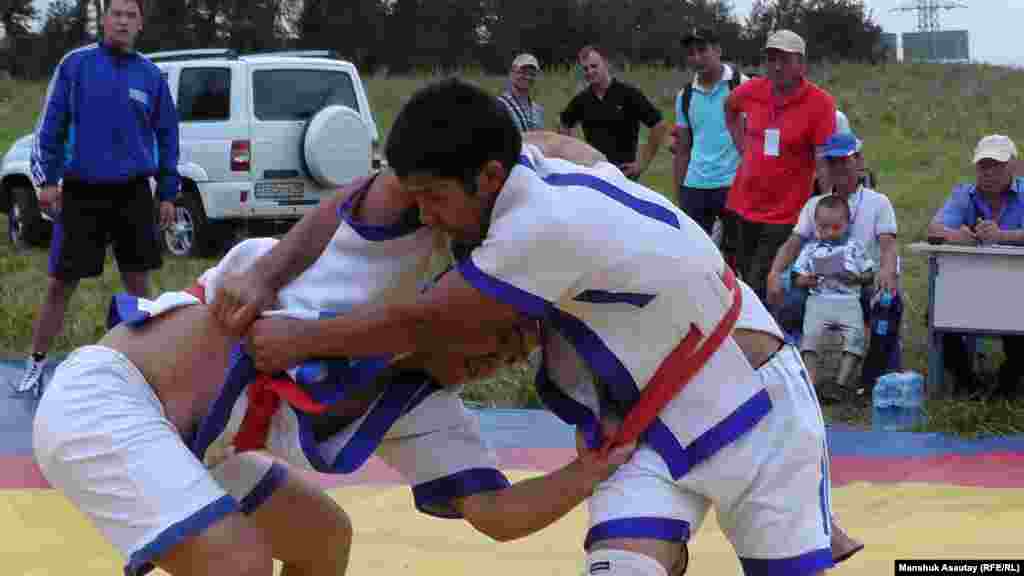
(872, 223)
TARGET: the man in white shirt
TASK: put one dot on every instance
(872, 223)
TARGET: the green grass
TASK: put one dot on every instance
(919, 122)
(19, 105)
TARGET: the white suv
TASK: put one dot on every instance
(263, 137)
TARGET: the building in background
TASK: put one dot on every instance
(889, 44)
(936, 46)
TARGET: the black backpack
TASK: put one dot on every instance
(737, 76)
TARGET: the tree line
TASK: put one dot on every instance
(401, 36)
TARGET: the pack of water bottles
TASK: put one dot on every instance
(898, 401)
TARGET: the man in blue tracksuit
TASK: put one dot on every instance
(108, 125)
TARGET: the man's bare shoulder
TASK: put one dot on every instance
(554, 145)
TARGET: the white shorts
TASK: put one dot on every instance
(845, 313)
(770, 487)
(101, 437)
(444, 464)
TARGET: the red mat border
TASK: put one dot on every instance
(995, 470)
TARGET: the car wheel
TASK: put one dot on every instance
(14, 224)
(25, 225)
(179, 236)
(190, 235)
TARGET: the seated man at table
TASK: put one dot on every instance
(989, 211)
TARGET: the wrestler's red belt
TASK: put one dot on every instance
(264, 395)
(681, 365)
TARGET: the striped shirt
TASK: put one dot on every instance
(529, 117)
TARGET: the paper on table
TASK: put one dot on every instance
(833, 264)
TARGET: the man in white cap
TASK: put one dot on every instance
(990, 211)
(787, 119)
(527, 113)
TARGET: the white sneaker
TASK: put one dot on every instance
(33, 375)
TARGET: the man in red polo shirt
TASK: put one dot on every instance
(787, 118)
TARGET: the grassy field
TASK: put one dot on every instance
(919, 122)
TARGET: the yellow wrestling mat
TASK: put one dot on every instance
(45, 536)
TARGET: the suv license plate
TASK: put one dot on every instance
(280, 190)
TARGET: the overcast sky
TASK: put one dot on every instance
(993, 25)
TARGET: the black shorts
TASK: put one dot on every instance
(95, 215)
(703, 205)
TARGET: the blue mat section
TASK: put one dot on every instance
(847, 441)
(510, 428)
(541, 429)
(16, 410)
(514, 428)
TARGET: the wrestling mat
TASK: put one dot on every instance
(908, 496)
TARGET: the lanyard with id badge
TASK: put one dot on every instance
(773, 136)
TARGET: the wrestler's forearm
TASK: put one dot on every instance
(529, 506)
(450, 314)
(369, 331)
(301, 246)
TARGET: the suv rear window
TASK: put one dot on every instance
(204, 94)
(299, 94)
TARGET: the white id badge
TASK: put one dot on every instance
(771, 142)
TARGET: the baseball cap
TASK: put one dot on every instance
(526, 60)
(843, 127)
(786, 41)
(700, 35)
(841, 145)
(842, 123)
(996, 147)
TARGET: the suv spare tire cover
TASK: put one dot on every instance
(336, 146)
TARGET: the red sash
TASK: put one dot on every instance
(677, 370)
(197, 290)
(264, 394)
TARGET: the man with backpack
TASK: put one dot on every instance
(705, 158)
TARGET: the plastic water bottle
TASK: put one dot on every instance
(911, 402)
(882, 321)
(898, 401)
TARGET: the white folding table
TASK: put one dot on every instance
(974, 290)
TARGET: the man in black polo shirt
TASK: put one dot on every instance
(611, 112)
